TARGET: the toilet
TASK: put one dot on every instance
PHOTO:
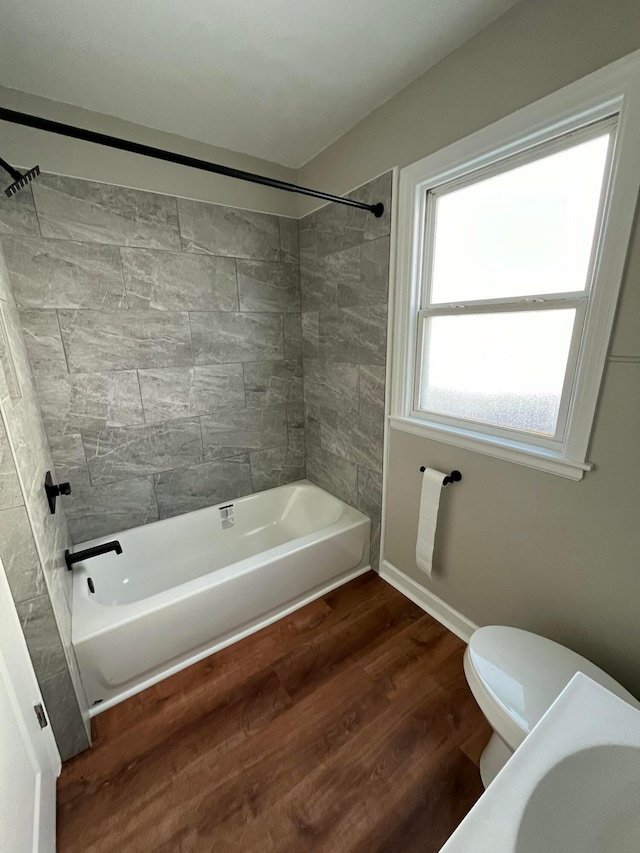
(515, 676)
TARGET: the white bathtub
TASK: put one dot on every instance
(187, 586)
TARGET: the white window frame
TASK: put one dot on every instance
(612, 92)
(539, 301)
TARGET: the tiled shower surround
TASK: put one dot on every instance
(32, 541)
(166, 346)
(165, 339)
(344, 273)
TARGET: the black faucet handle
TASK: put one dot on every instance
(54, 491)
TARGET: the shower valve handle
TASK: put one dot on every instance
(54, 491)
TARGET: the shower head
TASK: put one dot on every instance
(19, 181)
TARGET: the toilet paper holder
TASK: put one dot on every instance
(453, 477)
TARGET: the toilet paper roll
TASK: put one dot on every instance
(428, 518)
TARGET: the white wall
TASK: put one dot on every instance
(536, 47)
(64, 156)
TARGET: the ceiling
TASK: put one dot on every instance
(277, 79)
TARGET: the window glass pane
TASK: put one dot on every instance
(526, 231)
(505, 369)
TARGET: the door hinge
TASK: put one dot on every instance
(40, 714)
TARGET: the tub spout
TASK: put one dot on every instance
(70, 558)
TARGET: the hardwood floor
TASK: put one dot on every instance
(346, 727)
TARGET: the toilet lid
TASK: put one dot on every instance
(525, 673)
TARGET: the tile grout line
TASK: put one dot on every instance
(202, 458)
(178, 231)
(124, 283)
(235, 267)
(64, 349)
(142, 406)
(193, 358)
(35, 210)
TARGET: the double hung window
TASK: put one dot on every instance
(511, 249)
(507, 279)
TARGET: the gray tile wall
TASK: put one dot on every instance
(344, 274)
(32, 541)
(160, 341)
(166, 342)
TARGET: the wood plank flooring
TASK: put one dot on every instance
(347, 727)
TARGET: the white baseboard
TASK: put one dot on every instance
(434, 606)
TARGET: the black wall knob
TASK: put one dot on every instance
(53, 491)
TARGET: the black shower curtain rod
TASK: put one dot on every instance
(181, 159)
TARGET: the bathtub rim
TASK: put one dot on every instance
(149, 525)
(92, 619)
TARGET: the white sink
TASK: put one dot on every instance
(588, 803)
(572, 787)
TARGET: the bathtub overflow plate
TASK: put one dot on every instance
(226, 516)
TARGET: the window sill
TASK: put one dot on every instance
(511, 451)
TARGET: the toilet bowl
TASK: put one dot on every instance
(515, 676)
